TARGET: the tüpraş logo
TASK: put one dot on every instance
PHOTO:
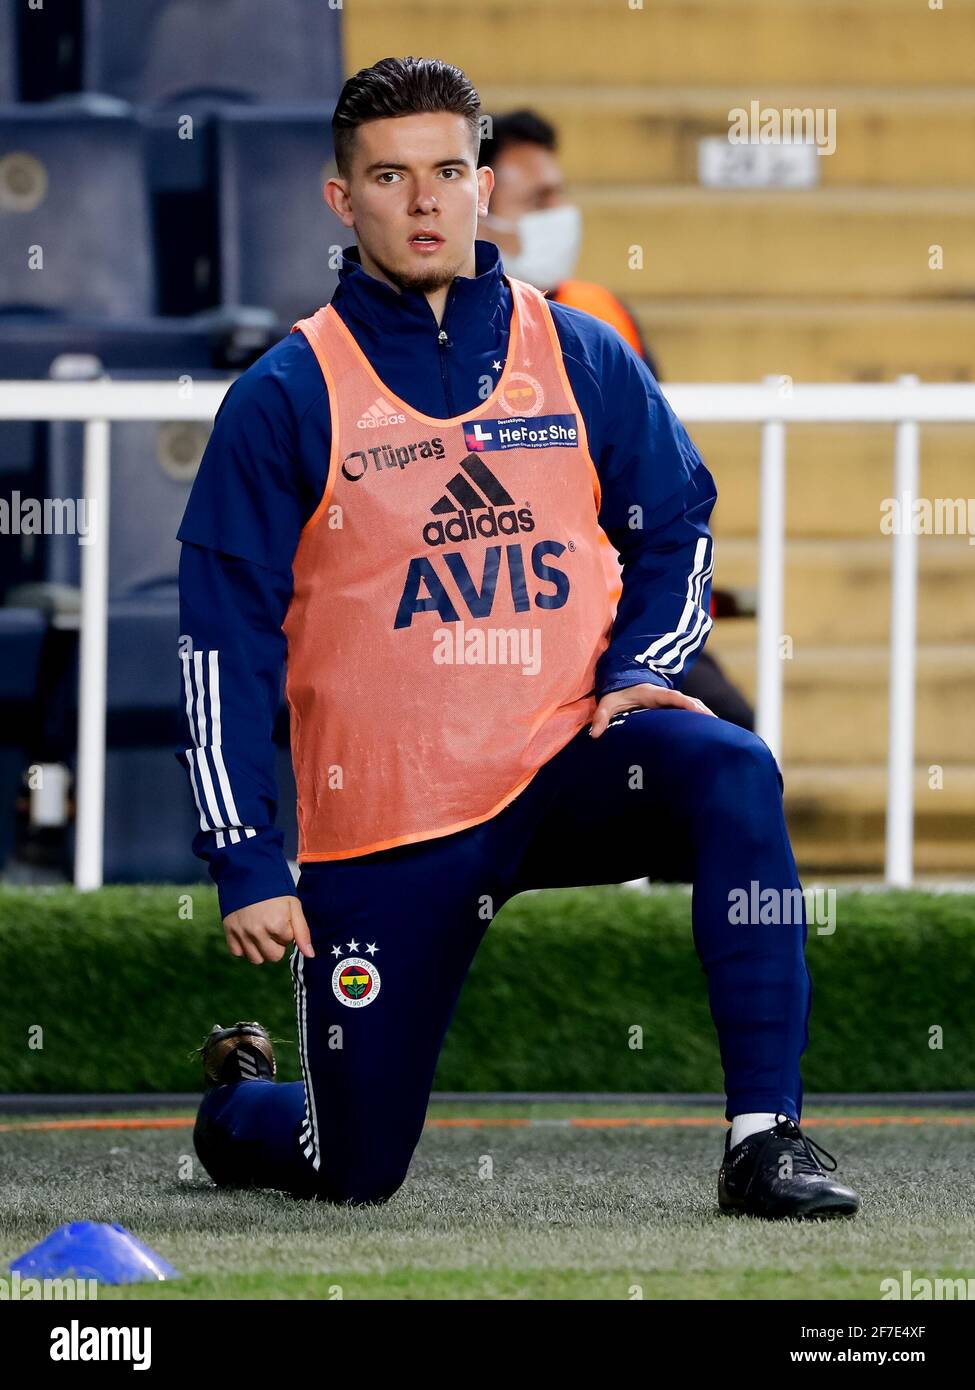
(383, 456)
(522, 432)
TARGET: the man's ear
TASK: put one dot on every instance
(336, 195)
(485, 187)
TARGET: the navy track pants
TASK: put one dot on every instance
(370, 1027)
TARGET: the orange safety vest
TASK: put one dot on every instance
(450, 597)
(603, 304)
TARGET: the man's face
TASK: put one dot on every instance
(527, 178)
(413, 197)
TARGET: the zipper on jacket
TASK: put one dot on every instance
(443, 342)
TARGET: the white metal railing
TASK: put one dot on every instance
(773, 404)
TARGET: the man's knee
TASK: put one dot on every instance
(358, 1189)
(742, 777)
(365, 1170)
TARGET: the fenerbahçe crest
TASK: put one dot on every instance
(355, 982)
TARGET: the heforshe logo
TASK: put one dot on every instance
(380, 413)
(476, 436)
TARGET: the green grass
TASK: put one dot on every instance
(569, 1213)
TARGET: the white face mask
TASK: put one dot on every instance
(549, 242)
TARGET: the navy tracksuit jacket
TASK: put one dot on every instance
(263, 474)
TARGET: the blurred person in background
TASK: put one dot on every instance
(536, 228)
(539, 234)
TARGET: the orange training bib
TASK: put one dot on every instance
(450, 597)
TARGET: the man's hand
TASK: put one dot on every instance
(264, 930)
(645, 695)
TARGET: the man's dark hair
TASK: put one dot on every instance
(516, 128)
(401, 87)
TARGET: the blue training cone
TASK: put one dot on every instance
(93, 1250)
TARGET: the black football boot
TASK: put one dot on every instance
(229, 1055)
(241, 1053)
(775, 1174)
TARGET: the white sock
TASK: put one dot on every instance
(744, 1125)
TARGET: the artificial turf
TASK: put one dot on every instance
(542, 1211)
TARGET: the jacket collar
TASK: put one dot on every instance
(364, 300)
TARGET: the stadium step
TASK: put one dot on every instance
(837, 818)
(661, 42)
(809, 340)
(923, 137)
(698, 242)
(839, 591)
(835, 702)
(837, 476)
